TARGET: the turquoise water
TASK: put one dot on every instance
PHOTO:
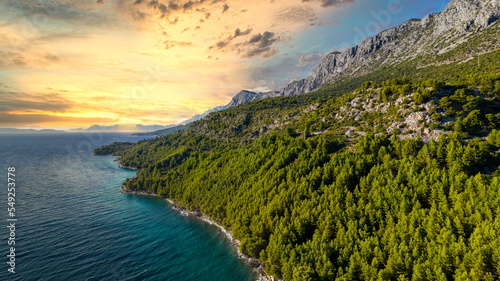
(74, 224)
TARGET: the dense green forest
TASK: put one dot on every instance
(419, 201)
(115, 148)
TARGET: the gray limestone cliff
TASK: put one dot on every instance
(242, 97)
(435, 34)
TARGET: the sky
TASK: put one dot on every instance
(74, 63)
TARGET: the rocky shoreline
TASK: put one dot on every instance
(127, 168)
(121, 166)
(123, 189)
(257, 266)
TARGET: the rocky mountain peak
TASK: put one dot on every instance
(404, 42)
(435, 34)
(242, 97)
(462, 14)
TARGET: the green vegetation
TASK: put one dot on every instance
(163, 132)
(116, 148)
(318, 109)
(313, 204)
(389, 208)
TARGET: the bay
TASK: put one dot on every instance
(74, 224)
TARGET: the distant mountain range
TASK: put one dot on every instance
(461, 32)
(124, 128)
(95, 128)
(281, 173)
(28, 131)
(463, 25)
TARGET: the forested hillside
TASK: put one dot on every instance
(386, 208)
(393, 179)
(432, 47)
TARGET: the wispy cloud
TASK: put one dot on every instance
(331, 3)
(13, 101)
(65, 60)
(311, 59)
(259, 45)
(224, 43)
(41, 119)
(297, 13)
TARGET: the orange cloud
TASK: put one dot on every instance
(137, 61)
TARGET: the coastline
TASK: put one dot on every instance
(257, 266)
(121, 166)
(123, 189)
(127, 168)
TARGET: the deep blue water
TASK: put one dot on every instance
(74, 224)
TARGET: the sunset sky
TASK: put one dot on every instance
(68, 64)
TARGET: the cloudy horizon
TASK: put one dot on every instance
(74, 63)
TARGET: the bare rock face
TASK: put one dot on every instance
(414, 120)
(263, 131)
(242, 97)
(404, 42)
(435, 34)
(462, 14)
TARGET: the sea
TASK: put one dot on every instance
(71, 222)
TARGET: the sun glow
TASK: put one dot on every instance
(74, 63)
